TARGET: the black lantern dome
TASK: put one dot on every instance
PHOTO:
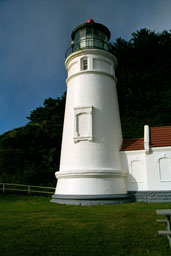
(90, 35)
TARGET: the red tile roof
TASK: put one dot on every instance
(159, 137)
(133, 144)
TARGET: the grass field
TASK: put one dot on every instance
(32, 226)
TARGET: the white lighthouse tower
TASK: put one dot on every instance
(90, 165)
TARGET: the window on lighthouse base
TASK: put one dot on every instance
(83, 124)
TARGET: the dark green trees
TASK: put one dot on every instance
(144, 80)
(30, 154)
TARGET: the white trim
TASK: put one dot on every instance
(72, 64)
(82, 72)
(108, 172)
(147, 139)
(91, 51)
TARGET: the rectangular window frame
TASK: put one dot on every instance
(83, 110)
(84, 64)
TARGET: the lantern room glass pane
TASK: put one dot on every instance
(96, 33)
(83, 43)
(76, 38)
(89, 33)
(82, 34)
(103, 36)
(90, 43)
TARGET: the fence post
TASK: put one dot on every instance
(4, 188)
(28, 189)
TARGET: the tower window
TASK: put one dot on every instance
(84, 64)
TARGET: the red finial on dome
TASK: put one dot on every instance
(90, 20)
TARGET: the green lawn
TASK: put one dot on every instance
(32, 226)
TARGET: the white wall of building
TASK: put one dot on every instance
(134, 163)
(159, 168)
(147, 171)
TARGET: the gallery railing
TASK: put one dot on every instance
(88, 44)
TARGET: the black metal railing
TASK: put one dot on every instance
(88, 43)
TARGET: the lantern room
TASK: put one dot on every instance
(90, 35)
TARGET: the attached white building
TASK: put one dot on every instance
(147, 162)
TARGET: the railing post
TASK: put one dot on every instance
(4, 188)
(28, 189)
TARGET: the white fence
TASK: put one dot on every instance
(28, 189)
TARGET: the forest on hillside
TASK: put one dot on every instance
(30, 154)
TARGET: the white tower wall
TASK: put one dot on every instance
(90, 160)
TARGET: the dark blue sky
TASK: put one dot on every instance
(34, 35)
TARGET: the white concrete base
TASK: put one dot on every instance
(91, 182)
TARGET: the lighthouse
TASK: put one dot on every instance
(90, 166)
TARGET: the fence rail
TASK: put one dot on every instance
(29, 189)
